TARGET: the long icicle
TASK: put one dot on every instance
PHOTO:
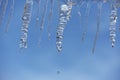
(113, 21)
(43, 20)
(98, 25)
(26, 18)
(65, 12)
(86, 20)
(10, 15)
(38, 12)
(3, 11)
(49, 19)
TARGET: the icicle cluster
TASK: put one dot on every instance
(65, 11)
(64, 16)
(26, 20)
(112, 28)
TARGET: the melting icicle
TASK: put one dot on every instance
(38, 11)
(86, 21)
(49, 19)
(98, 25)
(112, 28)
(3, 11)
(26, 20)
(65, 11)
(43, 19)
(10, 15)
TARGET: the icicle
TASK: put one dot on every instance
(79, 14)
(43, 19)
(38, 11)
(0, 2)
(26, 20)
(3, 11)
(86, 20)
(49, 19)
(10, 15)
(65, 11)
(79, 6)
(112, 28)
(98, 25)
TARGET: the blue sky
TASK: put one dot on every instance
(75, 62)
